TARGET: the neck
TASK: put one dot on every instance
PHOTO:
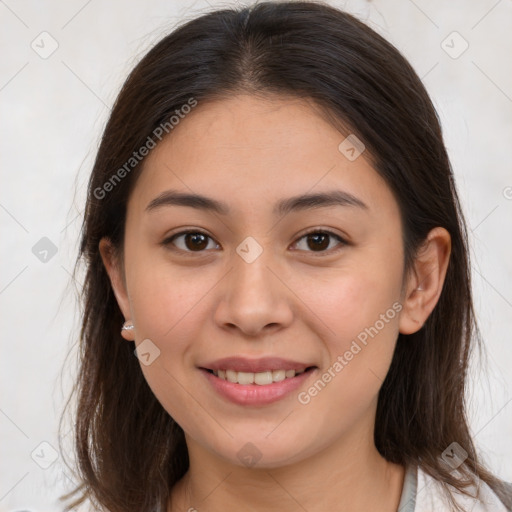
(348, 475)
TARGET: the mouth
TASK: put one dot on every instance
(256, 382)
(263, 378)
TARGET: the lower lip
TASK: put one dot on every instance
(254, 394)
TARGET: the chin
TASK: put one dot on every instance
(260, 453)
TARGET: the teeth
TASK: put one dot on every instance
(231, 376)
(261, 378)
(279, 375)
(246, 378)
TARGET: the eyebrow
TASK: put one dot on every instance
(282, 207)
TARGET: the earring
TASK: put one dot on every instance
(127, 326)
(419, 287)
(126, 331)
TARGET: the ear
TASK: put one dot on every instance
(115, 272)
(425, 282)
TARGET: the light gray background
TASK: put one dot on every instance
(53, 111)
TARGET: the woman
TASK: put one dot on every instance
(272, 224)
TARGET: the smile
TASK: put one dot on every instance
(261, 378)
(259, 388)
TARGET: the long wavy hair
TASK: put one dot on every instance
(129, 450)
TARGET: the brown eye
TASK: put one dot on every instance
(197, 241)
(319, 241)
(192, 241)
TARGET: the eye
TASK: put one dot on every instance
(319, 241)
(197, 241)
(193, 241)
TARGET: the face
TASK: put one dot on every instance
(312, 285)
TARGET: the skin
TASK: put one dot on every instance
(294, 301)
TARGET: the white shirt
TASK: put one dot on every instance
(422, 493)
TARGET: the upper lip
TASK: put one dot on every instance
(242, 364)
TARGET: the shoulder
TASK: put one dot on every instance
(430, 497)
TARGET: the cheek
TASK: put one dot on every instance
(167, 303)
(166, 299)
(361, 312)
(351, 302)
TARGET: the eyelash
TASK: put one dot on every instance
(169, 241)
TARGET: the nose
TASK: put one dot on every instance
(253, 298)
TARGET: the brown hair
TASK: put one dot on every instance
(130, 452)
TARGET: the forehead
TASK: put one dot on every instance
(245, 148)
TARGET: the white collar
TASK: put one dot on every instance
(430, 496)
